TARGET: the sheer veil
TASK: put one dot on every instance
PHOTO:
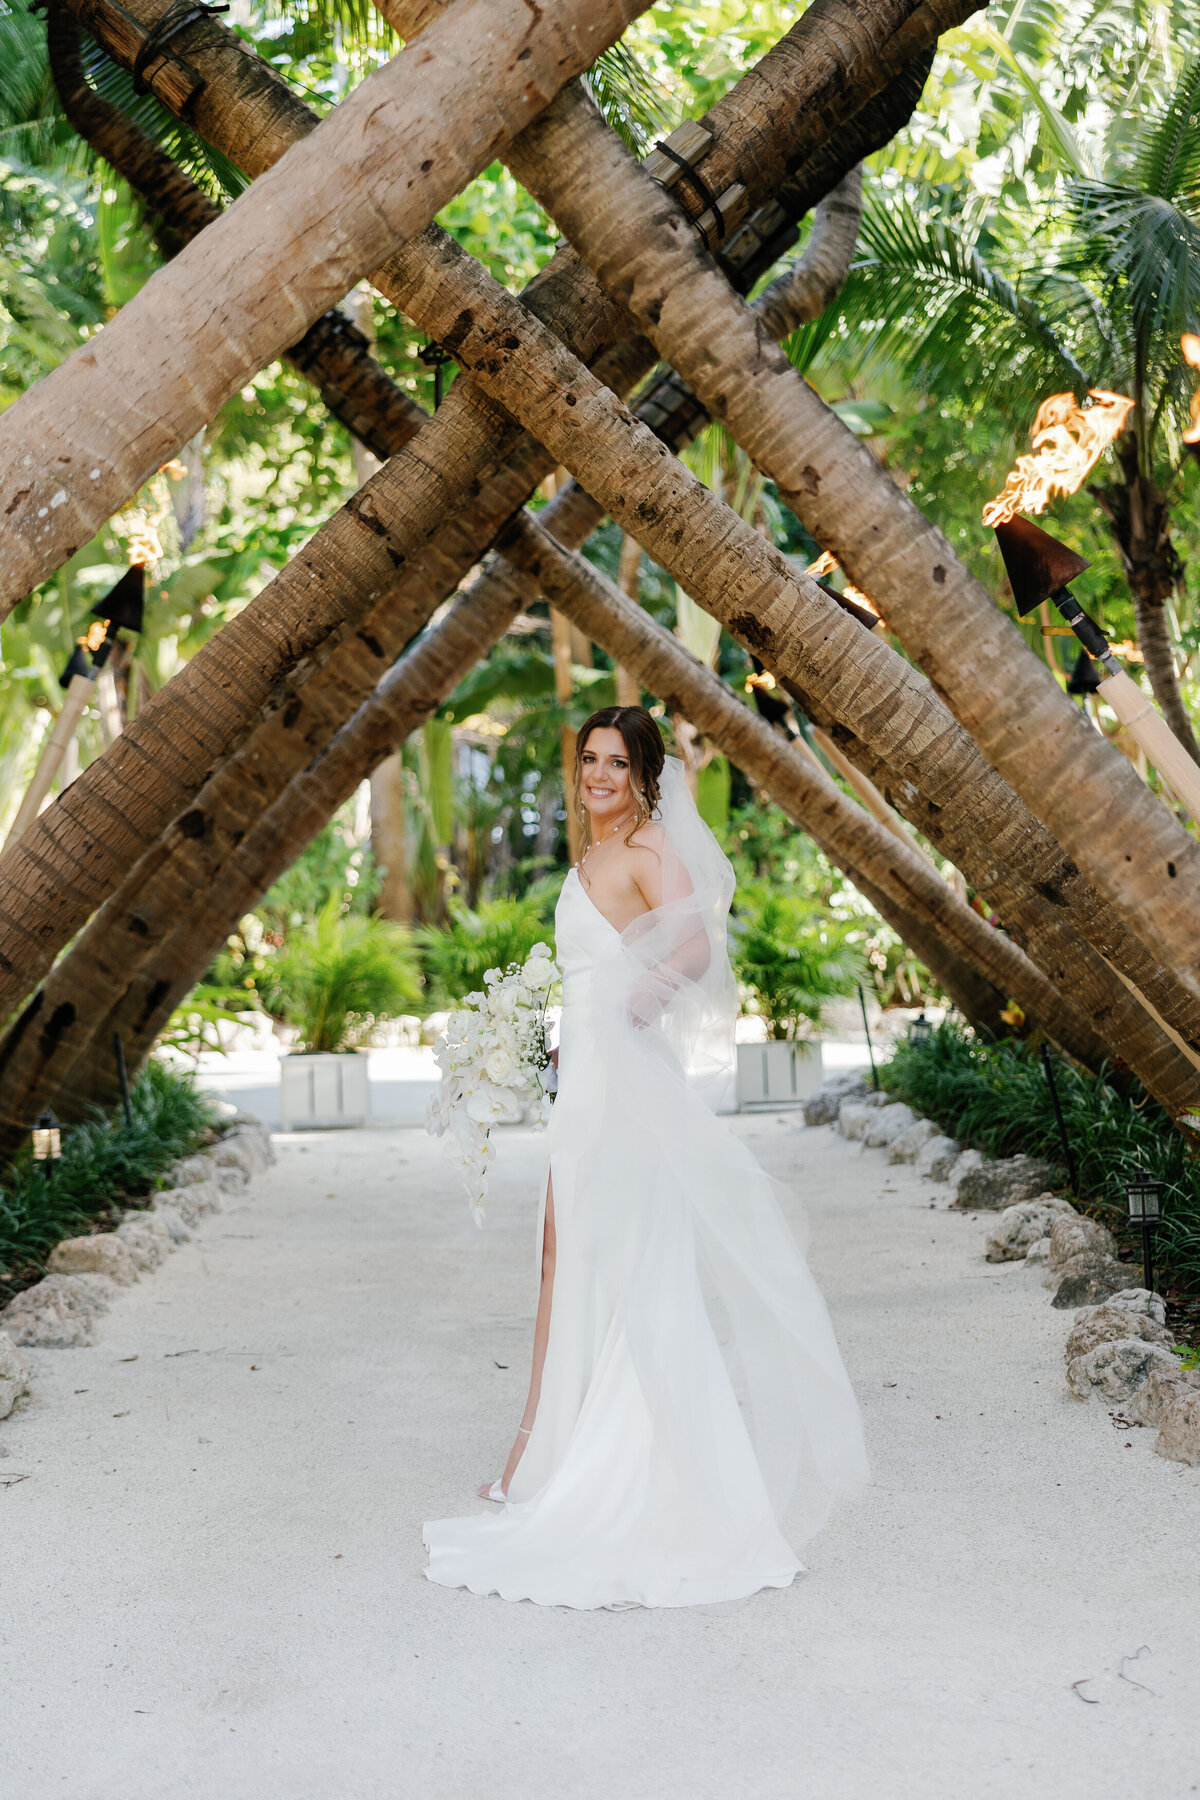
(678, 955)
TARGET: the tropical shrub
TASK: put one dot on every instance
(490, 936)
(995, 1098)
(103, 1161)
(791, 959)
(337, 979)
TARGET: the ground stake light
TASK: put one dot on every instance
(920, 1032)
(47, 1139)
(1143, 1196)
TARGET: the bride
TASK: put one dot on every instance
(650, 1468)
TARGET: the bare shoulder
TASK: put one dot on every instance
(648, 840)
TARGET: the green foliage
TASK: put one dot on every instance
(194, 1026)
(712, 793)
(994, 1097)
(339, 977)
(790, 959)
(332, 868)
(103, 1162)
(496, 933)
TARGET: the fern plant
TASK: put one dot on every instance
(338, 978)
(491, 936)
(791, 960)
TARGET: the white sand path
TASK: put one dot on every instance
(212, 1576)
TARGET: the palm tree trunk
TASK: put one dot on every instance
(978, 1000)
(1018, 870)
(1140, 518)
(777, 613)
(634, 238)
(399, 146)
(332, 353)
(72, 860)
(847, 833)
(389, 846)
(409, 694)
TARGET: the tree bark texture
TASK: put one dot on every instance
(389, 845)
(409, 694)
(75, 855)
(380, 165)
(779, 614)
(644, 253)
(332, 353)
(1038, 894)
(819, 273)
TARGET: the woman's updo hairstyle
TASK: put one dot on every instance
(644, 746)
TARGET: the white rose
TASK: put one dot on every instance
(501, 1066)
(539, 972)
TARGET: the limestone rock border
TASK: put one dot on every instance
(1119, 1345)
(85, 1274)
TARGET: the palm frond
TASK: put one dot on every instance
(1146, 253)
(631, 101)
(922, 297)
(1167, 152)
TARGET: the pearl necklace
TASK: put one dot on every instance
(592, 847)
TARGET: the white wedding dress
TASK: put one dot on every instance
(663, 1469)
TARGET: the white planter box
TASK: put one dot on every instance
(324, 1090)
(777, 1073)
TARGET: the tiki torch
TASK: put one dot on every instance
(1067, 441)
(120, 610)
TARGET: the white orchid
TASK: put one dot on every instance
(491, 1056)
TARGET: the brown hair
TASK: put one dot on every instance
(644, 745)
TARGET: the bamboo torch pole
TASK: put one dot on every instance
(79, 694)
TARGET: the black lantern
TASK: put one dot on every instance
(1143, 1196)
(47, 1139)
(920, 1032)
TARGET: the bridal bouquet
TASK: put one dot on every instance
(492, 1054)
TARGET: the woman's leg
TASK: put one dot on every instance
(541, 1335)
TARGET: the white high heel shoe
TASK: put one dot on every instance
(495, 1491)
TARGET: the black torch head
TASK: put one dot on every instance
(869, 619)
(124, 605)
(78, 665)
(1037, 563)
(1085, 677)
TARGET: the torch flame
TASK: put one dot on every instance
(1189, 343)
(825, 564)
(1068, 441)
